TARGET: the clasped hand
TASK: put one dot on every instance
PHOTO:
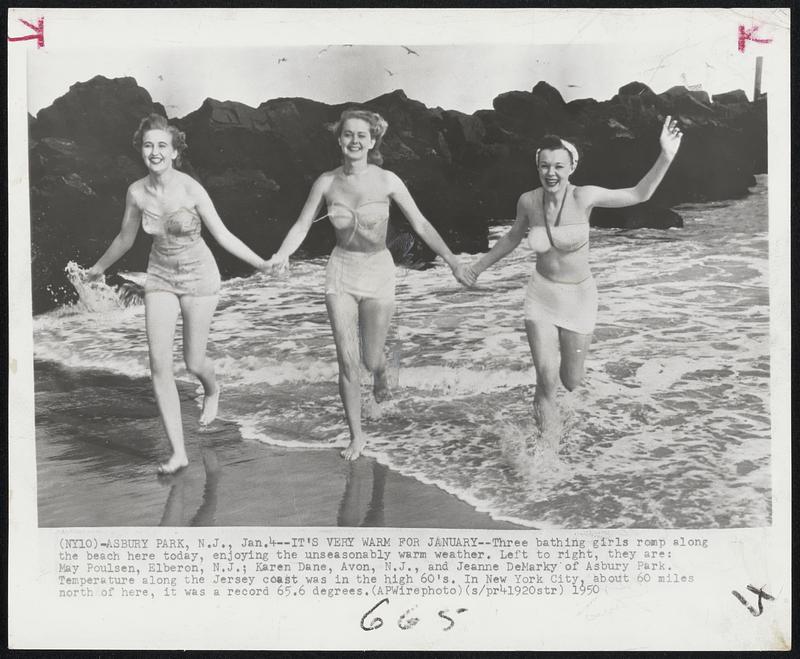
(276, 265)
(465, 274)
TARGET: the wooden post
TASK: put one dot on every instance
(757, 85)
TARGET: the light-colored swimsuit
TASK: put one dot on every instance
(180, 262)
(360, 274)
(571, 306)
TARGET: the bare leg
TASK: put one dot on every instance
(161, 314)
(574, 348)
(375, 316)
(343, 314)
(197, 313)
(543, 341)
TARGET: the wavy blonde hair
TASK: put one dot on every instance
(377, 129)
(158, 122)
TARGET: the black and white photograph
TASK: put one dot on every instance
(444, 282)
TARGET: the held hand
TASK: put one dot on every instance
(463, 274)
(670, 139)
(264, 267)
(471, 275)
(277, 265)
(94, 274)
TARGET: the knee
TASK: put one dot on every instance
(571, 378)
(161, 372)
(373, 362)
(194, 365)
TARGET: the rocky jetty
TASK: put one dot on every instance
(464, 171)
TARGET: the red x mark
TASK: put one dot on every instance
(746, 35)
(38, 32)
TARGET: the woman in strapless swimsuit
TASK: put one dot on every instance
(182, 275)
(359, 280)
(561, 297)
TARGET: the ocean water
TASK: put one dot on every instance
(670, 428)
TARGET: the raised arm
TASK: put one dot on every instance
(670, 140)
(503, 247)
(123, 241)
(221, 233)
(300, 228)
(400, 194)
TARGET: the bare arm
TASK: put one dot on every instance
(301, 227)
(400, 194)
(596, 196)
(507, 244)
(123, 241)
(221, 233)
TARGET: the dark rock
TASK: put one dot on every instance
(100, 112)
(464, 171)
(636, 89)
(647, 215)
(736, 96)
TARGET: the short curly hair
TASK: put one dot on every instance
(555, 143)
(377, 129)
(158, 122)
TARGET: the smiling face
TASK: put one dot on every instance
(355, 139)
(555, 167)
(157, 150)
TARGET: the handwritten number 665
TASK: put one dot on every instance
(405, 621)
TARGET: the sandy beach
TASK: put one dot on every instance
(99, 440)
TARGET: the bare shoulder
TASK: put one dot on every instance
(392, 181)
(325, 180)
(189, 184)
(526, 199)
(136, 191)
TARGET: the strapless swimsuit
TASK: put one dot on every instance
(571, 306)
(362, 275)
(180, 262)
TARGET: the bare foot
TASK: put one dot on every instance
(355, 447)
(173, 465)
(380, 388)
(210, 406)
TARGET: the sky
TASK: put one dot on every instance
(457, 60)
(458, 77)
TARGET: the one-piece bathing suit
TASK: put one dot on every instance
(363, 275)
(180, 262)
(571, 306)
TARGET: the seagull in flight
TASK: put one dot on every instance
(282, 59)
(388, 71)
(410, 52)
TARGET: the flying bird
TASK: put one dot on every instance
(282, 59)
(388, 71)
(322, 51)
(410, 52)
(161, 77)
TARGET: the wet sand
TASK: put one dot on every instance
(99, 440)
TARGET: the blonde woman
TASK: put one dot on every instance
(182, 275)
(360, 276)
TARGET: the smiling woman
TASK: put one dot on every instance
(561, 296)
(182, 276)
(360, 277)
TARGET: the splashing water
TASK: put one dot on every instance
(670, 429)
(97, 296)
